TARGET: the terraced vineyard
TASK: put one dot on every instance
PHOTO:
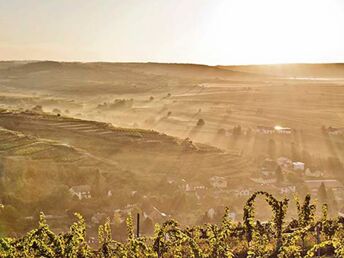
(120, 145)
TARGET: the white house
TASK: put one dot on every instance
(81, 191)
(218, 182)
(282, 130)
(242, 193)
(298, 165)
(287, 189)
(194, 186)
(265, 129)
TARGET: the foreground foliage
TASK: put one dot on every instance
(304, 236)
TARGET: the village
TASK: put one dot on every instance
(208, 198)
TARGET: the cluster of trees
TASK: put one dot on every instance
(237, 130)
(305, 236)
(117, 103)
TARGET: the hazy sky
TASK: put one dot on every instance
(189, 31)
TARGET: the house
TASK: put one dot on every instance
(81, 191)
(245, 192)
(268, 168)
(313, 173)
(218, 182)
(282, 130)
(299, 166)
(265, 129)
(335, 131)
(194, 186)
(287, 189)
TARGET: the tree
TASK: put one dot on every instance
(200, 122)
(237, 130)
(221, 131)
(322, 193)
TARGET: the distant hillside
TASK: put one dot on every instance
(162, 69)
(292, 70)
(147, 153)
(119, 78)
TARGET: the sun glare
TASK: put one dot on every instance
(270, 31)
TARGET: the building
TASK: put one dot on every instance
(272, 130)
(283, 130)
(268, 168)
(298, 166)
(265, 129)
(245, 192)
(287, 189)
(335, 131)
(81, 191)
(194, 186)
(218, 182)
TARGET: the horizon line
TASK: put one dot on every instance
(171, 63)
